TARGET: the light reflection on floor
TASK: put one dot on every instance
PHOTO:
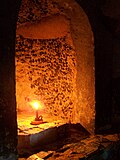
(25, 128)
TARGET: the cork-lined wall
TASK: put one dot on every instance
(54, 60)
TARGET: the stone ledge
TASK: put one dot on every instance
(30, 142)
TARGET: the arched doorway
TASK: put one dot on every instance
(55, 62)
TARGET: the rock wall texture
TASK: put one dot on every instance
(55, 60)
(46, 71)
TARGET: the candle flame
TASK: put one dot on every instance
(35, 104)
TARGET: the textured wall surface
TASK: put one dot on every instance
(56, 67)
(46, 70)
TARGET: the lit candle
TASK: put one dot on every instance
(36, 105)
(38, 119)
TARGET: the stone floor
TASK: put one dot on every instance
(59, 141)
(96, 147)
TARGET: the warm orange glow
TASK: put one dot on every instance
(35, 104)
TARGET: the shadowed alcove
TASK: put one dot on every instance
(50, 74)
(54, 65)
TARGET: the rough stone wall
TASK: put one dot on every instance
(67, 69)
(46, 71)
(33, 11)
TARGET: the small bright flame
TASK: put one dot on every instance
(35, 104)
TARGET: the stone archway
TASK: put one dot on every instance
(73, 94)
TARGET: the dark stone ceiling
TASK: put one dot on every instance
(109, 11)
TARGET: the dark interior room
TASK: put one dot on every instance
(60, 80)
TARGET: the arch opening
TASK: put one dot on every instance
(54, 65)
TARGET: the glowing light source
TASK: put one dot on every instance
(38, 119)
(36, 104)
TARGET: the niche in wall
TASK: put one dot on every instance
(55, 62)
